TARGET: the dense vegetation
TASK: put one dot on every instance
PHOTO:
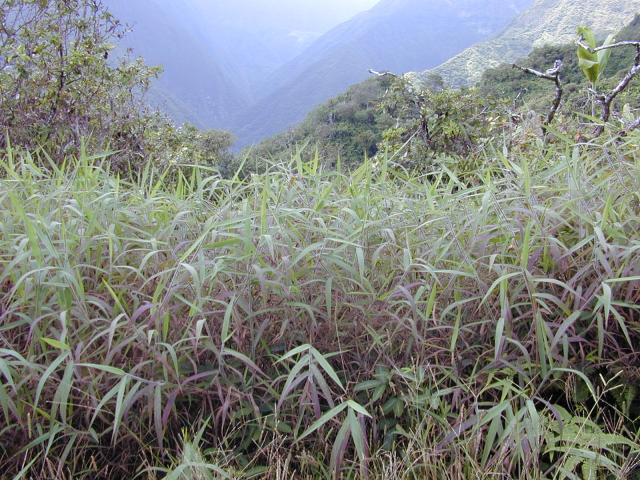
(307, 321)
(464, 302)
(505, 82)
(63, 86)
(427, 124)
(348, 127)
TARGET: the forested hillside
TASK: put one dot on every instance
(361, 121)
(396, 35)
(417, 282)
(346, 128)
(546, 22)
(505, 81)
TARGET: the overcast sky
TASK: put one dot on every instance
(307, 15)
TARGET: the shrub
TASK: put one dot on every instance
(436, 124)
(58, 83)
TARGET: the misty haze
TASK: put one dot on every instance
(231, 64)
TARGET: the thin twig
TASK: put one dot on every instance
(607, 100)
(552, 75)
(625, 43)
(630, 127)
(382, 74)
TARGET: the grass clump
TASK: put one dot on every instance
(313, 324)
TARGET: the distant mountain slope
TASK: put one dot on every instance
(551, 22)
(509, 83)
(217, 54)
(197, 85)
(398, 35)
(258, 36)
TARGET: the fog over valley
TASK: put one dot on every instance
(228, 64)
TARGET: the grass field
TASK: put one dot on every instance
(308, 324)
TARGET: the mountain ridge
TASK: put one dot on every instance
(196, 85)
(551, 22)
(390, 36)
(217, 55)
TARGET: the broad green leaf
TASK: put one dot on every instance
(294, 352)
(45, 377)
(358, 408)
(104, 368)
(328, 369)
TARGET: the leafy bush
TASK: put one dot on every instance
(441, 127)
(348, 127)
(58, 84)
(61, 87)
(179, 148)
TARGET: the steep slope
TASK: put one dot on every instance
(196, 85)
(506, 82)
(552, 22)
(348, 127)
(259, 36)
(396, 35)
(217, 54)
(353, 124)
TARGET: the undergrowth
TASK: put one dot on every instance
(307, 324)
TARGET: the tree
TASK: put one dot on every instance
(58, 84)
(593, 61)
(431, 125)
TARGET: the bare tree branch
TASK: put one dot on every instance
(382, 74)
(630, 127)
(607, 100)
(535, 72)
(553, 75)
(626, 43)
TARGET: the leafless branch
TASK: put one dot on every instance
(535, 72)
(630, 127)
(382, 74)
(552, 75)
(625, 43)
(607, 100)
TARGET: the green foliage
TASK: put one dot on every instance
(179, 148)
(58, 84)
(435, 124)
(585, 450)
(428, 127)
(593, 64)
(510, 83)
(348, 127)
(61, 89)
(312, 323)
(621, 59)
(528, 92)
(464, 304)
